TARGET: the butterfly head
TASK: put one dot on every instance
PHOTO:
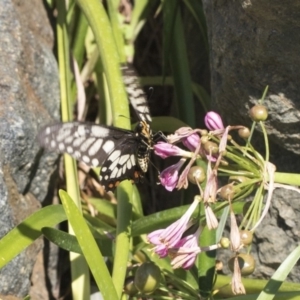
(143, 129)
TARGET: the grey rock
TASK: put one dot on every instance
(253, 44)
(29, 99)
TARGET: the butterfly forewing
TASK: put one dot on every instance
(89, 143)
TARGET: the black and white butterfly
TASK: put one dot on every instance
(121, 154)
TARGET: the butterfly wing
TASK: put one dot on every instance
(121, 164)
(137, 97)
(112, 148)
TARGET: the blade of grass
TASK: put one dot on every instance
(69, 242)
(280, 276)
(99, 23)
(23, 235)
(89, 247)
(79, 269)
(180, 67)
(113, 6)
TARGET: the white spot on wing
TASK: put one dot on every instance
(63, 133)
(95, 162)
(116, 154)
(86, 144)
(53, 144)
(114, 164)
(86, 159)
(114, 173)
(119, 172)
(61, 146)
(99, 131)
(123, 159)
(69, 149)
(104, 169)
(69, 139)
(132, 158)
(48, 130)
(81, 130)
(115, 158)
(95, 147)
(77, 154)
(128, 164)
(77, 142)
(108, 146)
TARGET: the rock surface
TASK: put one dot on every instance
(253, 44)
(29, 91)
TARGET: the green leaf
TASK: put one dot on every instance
(28, 231)
(180, 66)
(279, 276)
(252, 286)
(89, 247)
(69, 242)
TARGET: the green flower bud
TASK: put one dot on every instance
(258, 113)
(147, 278)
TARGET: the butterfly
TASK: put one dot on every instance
(121, 154)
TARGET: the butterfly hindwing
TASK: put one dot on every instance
(136, 95)
(121, 164)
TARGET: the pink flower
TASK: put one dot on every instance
(210, 191)
(179, 134)
(185, 252)
(213, 121)
(169, 176)
(164, 239)
(209, 196)
(165, 150)
(191, 142)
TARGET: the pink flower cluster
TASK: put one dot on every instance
(171, 241)
(183, 251)
(190, 138)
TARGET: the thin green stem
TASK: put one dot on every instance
(287, 178)
(266, 141)
(79, 269)
(101, 27)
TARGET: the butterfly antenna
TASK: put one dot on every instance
(150, 93)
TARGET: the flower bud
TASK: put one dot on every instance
(191, 142)
(196, 174)
(147, 278)
(244, 133)
(227, 192)
(258, 113)
(224, 242)
(213, 121)
(246, 263)
(211, 147)
(237, 179)
(246, 237)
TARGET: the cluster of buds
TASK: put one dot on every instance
(246, 170)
